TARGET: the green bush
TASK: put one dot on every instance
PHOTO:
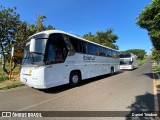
(11, 85)
(141, 62)
(3, 78)
(157, 69)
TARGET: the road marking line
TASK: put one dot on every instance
(40, 103)
(154, 83)
(55, 98)
(155, 93)
(43, 102)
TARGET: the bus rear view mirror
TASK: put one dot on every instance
(32, 45)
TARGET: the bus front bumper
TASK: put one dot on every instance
(126, 67)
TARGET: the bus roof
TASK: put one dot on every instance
(48, 32)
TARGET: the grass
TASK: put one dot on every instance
(3, 78)
(10, 84)
(156, 69)
(17, 69)
(5, 83)
(141, 62)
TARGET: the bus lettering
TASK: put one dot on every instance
(87, 57)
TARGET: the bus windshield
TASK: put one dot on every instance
(124, 55)
(125, 61)
(37, 57)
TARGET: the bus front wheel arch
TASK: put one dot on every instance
(74, 78)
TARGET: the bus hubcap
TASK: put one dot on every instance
(75, 79)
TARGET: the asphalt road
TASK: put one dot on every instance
(125, 91)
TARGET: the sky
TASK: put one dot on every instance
(79, 17)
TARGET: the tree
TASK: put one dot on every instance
(39, 23)
(106, 38)
(26, 30)
(156, 55)
(21, 36)
(50, 27)
(9, 22)
(40, 26)
(14, 32)
(138, 52)
(149, 19)
(90, 37)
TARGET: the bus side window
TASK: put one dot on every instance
(74, 43)
(57, 50)
(85, 51)
(70, 48)
(95, 50)
(80, 47)
(109, 53)
(61, 49)
(91, 49)
(51, 54)
(102, 51)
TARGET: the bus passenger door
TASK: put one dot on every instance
(56, 55)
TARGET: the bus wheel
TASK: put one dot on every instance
(112, 71)
(74, 79)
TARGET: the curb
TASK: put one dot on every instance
(156, 103)
(156, 95)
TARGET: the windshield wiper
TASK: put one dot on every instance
(32, 57)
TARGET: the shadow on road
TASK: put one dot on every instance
(90, 80)
(144, 103)
(129, 69)
(155, 77)
(149, 75)
(66, 87)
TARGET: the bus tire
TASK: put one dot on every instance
(74, 78)
(112, 71)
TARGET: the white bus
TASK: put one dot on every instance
(128, 61)
(53, 58)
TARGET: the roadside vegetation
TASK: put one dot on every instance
(156, 68)
(142, 61)
(15, 33)
(10, 84)
(5, 83)
(149, 19)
